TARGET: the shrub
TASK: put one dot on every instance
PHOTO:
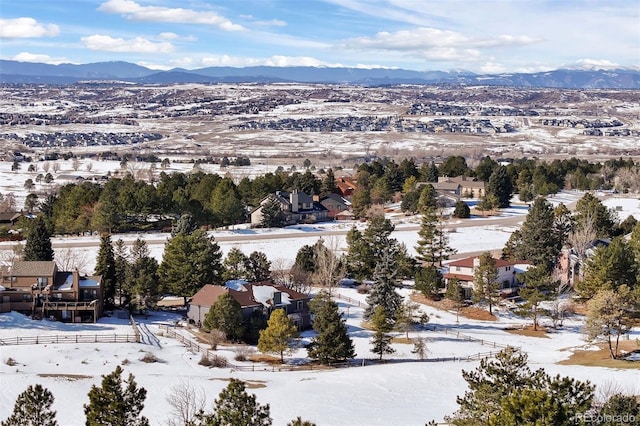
(125, 362)
(242, 353)
(205, 361)
(11, 362)
(149, 358)
(213, 361)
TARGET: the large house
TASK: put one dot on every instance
(571, 265)
(37, 288)
(297, 207)
(264, 297)
(336, 205)
(465, 269)
(449, 190)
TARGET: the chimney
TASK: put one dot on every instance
(75, 284)
(293, 199)
(316, 198)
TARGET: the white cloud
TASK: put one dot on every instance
(492, 68)
(427, 38)
(168, 36)
(39, 57)
(136, 12)
(26, 28)
(137, 44)
(594, 64)
(271, 23)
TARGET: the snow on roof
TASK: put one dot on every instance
(263, 294)
(67, 284)
(237, 285)
(88, 282)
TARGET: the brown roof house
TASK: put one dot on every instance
(465, 269)
(297, 207)
(37, 288)
(262, 296)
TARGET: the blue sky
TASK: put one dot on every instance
(485, 36)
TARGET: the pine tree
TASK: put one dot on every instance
(225, 315)
(33, 408)
(106, 268)
(258, 267)
(484, 279)
(610, 267)
(121, 260)
(185, 225)
(381, 341)
(433, 245)
(504, 391)
(383, 293)
(235, 265)
(462, 210)
(142, 276)
(589, 207)
(328, 184)
(455, 293)
(500, 186)
(116, 402)
(366, 248)
(429, 281)
(235, 407)
(38, 241)
(538, 242)
(278, 335)
(299, 422)
(427, 198)
(189, 262)
(538, 287)
(226, 203)
(272, 215)
(332, 342)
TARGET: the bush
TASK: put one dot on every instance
(213, 361)
(242, 353)
(11, 362)
(149, 358)
(363, 288)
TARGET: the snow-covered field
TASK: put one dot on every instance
(402, 393)
(399, 393)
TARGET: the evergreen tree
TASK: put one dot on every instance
(383, 293)
(428, 281)
(226, 203)
(538, 243)
(272, 215)
(429, 172)
(258, 267)
(116, 402)
(189, 262)
(332, 342)
(328, 184)
(610, 267)
(433, 244)
(38, 241)
(427, 198)
(462, 210)
(360, 201)
(235, 407)
(366, 248)
(500, 186)
(455, 293)
(235, 265)
(484, 280)
(185, 225)
(381, 340)
(409, 202)
(620, 410)
(504, 391)
(299, 422)
(121, 261)
(278, 335)
(225, 315)
(106, 268)
(32, 408)
(590, 208)
(538, 287)
(142, 276)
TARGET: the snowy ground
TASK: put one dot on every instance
(399, 393)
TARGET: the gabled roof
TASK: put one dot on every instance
(335, 197)
(468, 262)
(9, 216)
(247, 295)
(33, 268)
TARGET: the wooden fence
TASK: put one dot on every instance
(70, 338)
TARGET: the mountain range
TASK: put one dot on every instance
(15, 72)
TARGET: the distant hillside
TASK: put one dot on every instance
(27, 72)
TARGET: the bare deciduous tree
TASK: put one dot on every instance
(46, 166)
(89, 166)
(55, 166)
(75, 164)
(330, 268)
(69, 259)
(580, 239)
(186, 402)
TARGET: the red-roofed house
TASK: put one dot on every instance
(263, 296)
(464, 270)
